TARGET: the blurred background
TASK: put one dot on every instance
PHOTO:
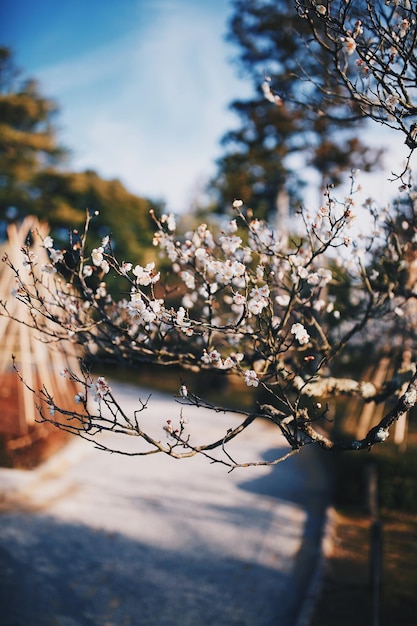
(123, 107)
(143, 89)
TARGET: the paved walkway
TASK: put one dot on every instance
(91, 538)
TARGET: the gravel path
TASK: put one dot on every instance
(91, 538)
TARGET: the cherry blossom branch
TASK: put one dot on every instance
(369, 52)
(273, 311)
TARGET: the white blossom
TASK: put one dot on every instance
(182, 321)
(56, 255)
(349, 45)
(146, 275)
(169, 220)
(232, 226)
(101, 388)
(300, 333)
(302, 272)
(321, 277)
(319, 305)
(268, 93)
(101, 291)
(230, 244)
(410, 397)
(239, 299)
(260, 272)
(259, 299)
(97, 256)
(283, 300)
(188, 279)
(382, 434)
(251, 378)
(105, 267)
(188, 300)
(391, 102)
(211, 357)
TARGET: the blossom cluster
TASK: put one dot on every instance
(266, 307)
(373, 47)
(251, 301)
(242, 294)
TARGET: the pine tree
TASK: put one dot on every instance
(28, 140)
(300, 120)
(34, 181)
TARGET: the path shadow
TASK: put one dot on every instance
(60, 574)
(303, 479)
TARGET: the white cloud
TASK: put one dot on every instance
(151, 107)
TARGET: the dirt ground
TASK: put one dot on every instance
(346, 596)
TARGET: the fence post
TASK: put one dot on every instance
(375, 543)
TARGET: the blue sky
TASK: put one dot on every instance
(143, 85)
(144, 88)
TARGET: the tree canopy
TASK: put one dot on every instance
(64, 197)
(372, 48)
(34, 179)
(28, 140)
(272, 39)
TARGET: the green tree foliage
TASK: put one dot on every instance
(27, 136)
(64, 198)
(271, 38)
(33, 180)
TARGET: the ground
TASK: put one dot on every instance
(346, 597)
